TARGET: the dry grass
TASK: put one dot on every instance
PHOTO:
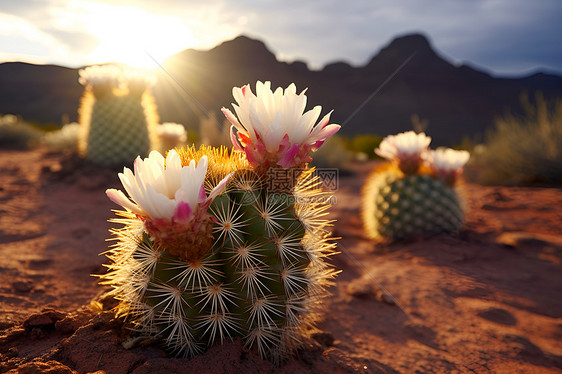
(525, 150)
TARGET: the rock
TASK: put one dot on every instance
(49, 367)
(498, 315)
(520, 240)
(360, 288)
(386, 298)
(67, 325)
(12, 352)
(22, 286)
(324, 338)
(46, 318)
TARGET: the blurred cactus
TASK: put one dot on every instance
(118, 114)
(415, 192)
(170, 135)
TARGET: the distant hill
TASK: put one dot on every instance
(456, 100)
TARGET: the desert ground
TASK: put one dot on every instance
(487, 299)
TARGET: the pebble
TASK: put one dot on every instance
(22, 286)
(324, 338)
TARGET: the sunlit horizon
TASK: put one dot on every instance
(104, 33)
(134, 37)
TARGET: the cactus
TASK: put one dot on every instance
(170, 135)
(418, 191)
(117, 114)
(249, 260)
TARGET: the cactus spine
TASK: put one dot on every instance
(417, 192)
(118, 115)
(262, 278)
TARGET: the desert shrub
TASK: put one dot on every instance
(333, 154)
(365, 143)
(63, 139)
(524, 150)
(14, 132)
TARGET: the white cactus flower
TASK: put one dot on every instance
(99, 74)
(171, 132)
(163, 190)
(407, 149)
(272, 127)
(402, 146)
(447, 160)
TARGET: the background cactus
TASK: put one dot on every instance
(418, 191)
(118, 115)
(262, 279)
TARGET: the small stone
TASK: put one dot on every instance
(12, 352)
(386, 298)
(360, 288)
(6, 324)
(67, 325)
(37, 320)
(38, 333)
(46, 318)
(324, 338)
(49, 367)
(521, 240)
(22, 286)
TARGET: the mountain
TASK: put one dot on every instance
(405, 77)
(40, 93)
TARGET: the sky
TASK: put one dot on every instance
(502, 37)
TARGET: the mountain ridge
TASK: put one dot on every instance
(456, 100)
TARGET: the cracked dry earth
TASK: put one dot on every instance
(485, 300)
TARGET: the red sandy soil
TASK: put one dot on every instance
(485, 300)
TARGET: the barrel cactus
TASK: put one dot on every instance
(117, 113)
(214, 244)
(417, 191)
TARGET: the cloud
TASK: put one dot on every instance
(503, 35)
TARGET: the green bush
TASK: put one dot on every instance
(334, 153)
(365, 143)
(525, 150)
(15, 133)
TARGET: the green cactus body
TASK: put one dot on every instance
(397, 205)
(117, 126)
(262, 279)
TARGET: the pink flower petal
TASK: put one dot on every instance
(219, 188)
(119, 198)
(202, 194)
(183, 213)
(232, 119)
(324, 134)
(288, 158)
(285, 144)
(234, 140)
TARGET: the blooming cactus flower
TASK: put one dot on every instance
(169, 198)
(272, 128)
(100, 78)
(447, 163)
(137, 80)
(407, 149)
(171, 135)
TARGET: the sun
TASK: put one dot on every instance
(135, 37)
